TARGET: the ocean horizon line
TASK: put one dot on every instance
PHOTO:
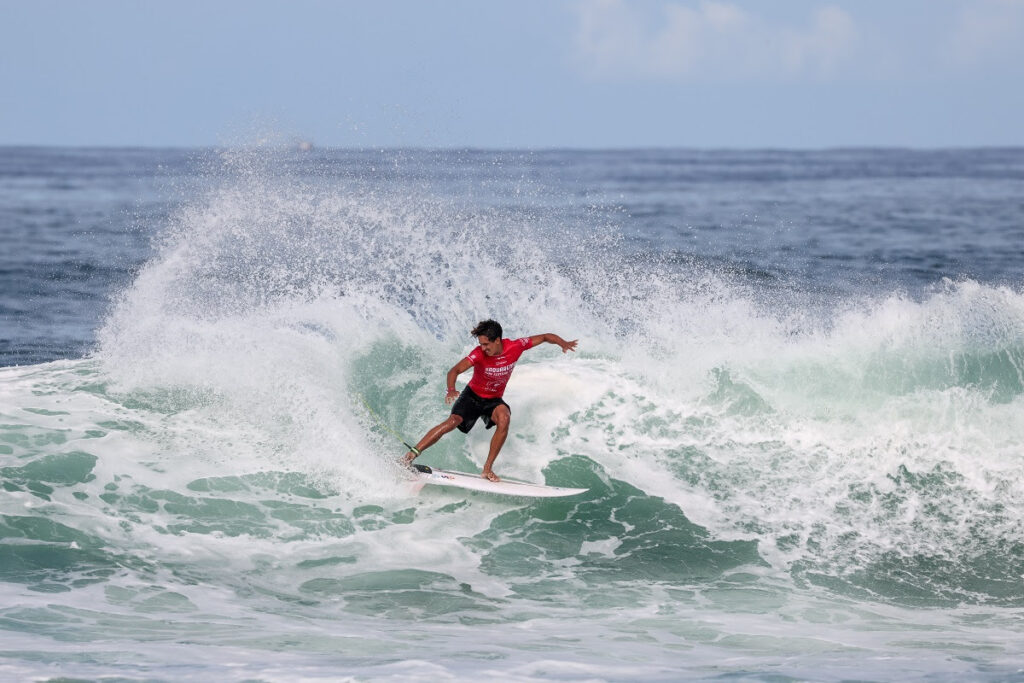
(305, 146)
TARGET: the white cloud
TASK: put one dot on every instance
(988, 31)
(705, 41)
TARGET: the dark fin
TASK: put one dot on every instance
(423, 468)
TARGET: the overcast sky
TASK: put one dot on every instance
(513, 73)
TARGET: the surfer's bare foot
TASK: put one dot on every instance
(408, 458)
(490, 476)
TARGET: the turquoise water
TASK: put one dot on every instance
(795, 472)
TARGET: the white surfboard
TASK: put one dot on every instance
(474, 482)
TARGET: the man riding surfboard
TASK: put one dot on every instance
(492, 362)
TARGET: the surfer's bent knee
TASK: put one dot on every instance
(502, 416)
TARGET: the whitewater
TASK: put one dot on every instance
(796, 404)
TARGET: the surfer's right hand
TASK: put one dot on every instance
(450, 397)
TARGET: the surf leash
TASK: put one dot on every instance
(380, 422)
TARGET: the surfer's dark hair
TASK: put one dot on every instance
(487, 328)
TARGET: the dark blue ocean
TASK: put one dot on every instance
(797, 405)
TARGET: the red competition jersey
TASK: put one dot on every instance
(491, 373)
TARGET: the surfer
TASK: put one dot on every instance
(492, 362)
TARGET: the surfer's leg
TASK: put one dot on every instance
(431, 437)
(501, 417)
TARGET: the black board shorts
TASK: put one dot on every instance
(469, 407)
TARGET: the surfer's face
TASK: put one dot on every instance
(490, 347)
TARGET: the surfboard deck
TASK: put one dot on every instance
(474, 482)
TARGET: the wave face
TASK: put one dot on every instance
(788, 475)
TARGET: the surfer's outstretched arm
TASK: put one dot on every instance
(551, 338)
